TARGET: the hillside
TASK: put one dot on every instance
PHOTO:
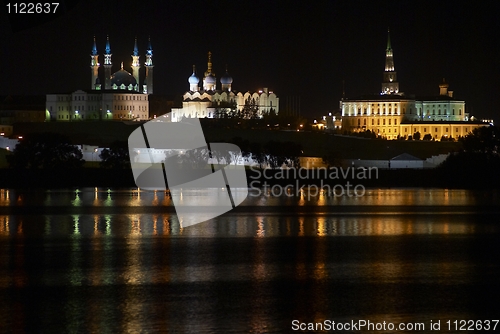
(313, 143)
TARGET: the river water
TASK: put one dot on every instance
(97, 260)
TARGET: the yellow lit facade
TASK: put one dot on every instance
(392, 115)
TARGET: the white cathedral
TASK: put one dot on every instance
(393, 115)
(123, 98)
(202, 102)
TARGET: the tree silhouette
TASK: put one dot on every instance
(47, 151)
(482, 139)
(250, 109)
(116, 156)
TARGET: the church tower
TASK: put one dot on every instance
(94, 67)
(390, 83)
(148, 82)
(136, 65)
(107, 65)
(209, 80)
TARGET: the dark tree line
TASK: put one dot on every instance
(477, 164)
(45, 151)
(56, 151)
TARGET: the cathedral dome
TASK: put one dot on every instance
(193, 79)
(210, 79)
(123, 77)
(226, 79)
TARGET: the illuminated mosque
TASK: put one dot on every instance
(122, 98)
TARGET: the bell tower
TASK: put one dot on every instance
(390, 83)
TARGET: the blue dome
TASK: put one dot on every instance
(123, 77)
(226, 79)
(210, 79)
(193, 79)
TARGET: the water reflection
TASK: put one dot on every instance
(120, 270)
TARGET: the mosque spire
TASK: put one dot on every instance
(149, 45)
(148, 87)
(94, 49)
(94, 68)
(107, 65)
(136, 50)
(108, 48)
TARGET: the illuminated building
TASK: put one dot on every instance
(98, 105)
(121, 98)
(203, 102)
(393, 115)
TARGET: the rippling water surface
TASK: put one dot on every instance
(109, 261)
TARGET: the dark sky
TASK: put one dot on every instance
(295, 48)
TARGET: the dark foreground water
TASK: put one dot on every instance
(113, 261)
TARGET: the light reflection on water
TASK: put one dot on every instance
(102, 197)
(146, 225)
(124, 271)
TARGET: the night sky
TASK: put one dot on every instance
(301, 49)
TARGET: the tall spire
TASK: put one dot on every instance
(136, 65)
(389, 84)
(136, 50)
(94, 49)
(108, 48)
(107, 65)
(148, 86)
(209, 64)
(388, 39)
(94, 68)
(149, 53)
(150, 49)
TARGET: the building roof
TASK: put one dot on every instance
(437, 98)
(441, 122)
(405, 156)
(101, 91)
(123, 77)
(395, 97)
(380, 97)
